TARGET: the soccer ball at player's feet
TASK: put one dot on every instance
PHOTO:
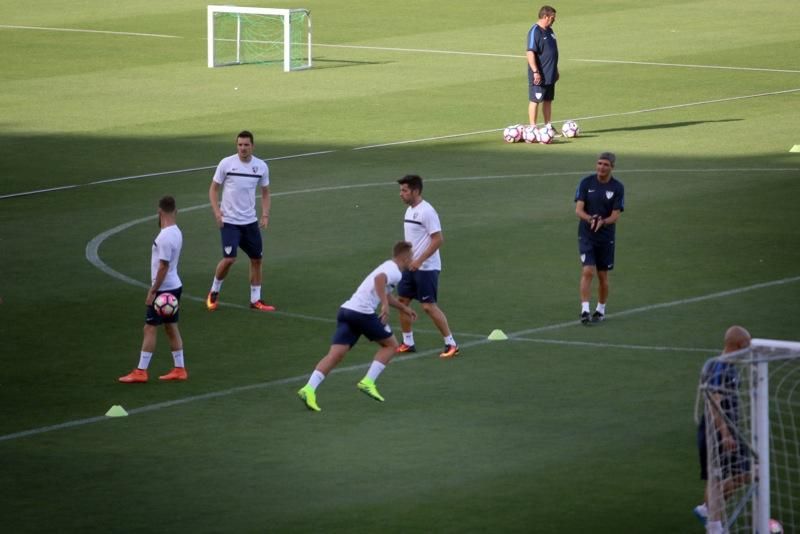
(570, 129)
(529, 134)
(544, 136)
(166, 305)
(775, 527)
(512, 134)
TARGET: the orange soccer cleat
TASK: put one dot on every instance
(260, 305)
(177, 373)
(211, 300)
(406, 348)
(137, 376)
(449, 351)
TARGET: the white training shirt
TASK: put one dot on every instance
(421, 221)
(365, 299)
(240, 181)
(167, 247)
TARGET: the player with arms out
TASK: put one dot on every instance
(164, 276)
(240, 176)
(599, 201)
(421, 281)
(357, 318)
(722, 387)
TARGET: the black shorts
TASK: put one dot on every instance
(244, 236)
(541, 93)
(154, 319)
(351, 325)
(420, 285)
(599, 255)
(732, 463)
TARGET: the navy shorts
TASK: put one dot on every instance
(154, 319)
(732, 463)
(244, 236)
(420, 285)
(541, 93)
(599, 255)
(351, 325)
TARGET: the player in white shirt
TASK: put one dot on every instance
(421, 280)
(240, 176)
(357, 317)
(164, 279)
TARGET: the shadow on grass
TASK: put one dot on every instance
(661, 126)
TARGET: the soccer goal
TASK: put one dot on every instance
(754, 461)
(240, 35)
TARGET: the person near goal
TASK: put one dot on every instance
(240, 176)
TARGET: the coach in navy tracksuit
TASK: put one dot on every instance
(599, 201)
(542, 65)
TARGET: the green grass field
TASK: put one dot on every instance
(561, 429)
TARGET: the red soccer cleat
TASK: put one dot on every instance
(260, 305)
(178, 373)
(449, 351)
(406, 348)
(211, 300)
(137, 376)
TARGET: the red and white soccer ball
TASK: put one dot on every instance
(166, 305)
(570, 129)
(545, 136)
(513, 134)
(529, 134)
(775, 527)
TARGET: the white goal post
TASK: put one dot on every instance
(239, 35)
(751, 411)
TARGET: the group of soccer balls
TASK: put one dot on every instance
(544, 135)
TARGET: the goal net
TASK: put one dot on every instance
(751, 412)
(240, 35)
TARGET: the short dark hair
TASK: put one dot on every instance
(546, 11)
(247, 135)
(401, 247)
(167, 204)
(413, 182)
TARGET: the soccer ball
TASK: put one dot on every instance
(529, 135)
(775, 527)
(544, 136)
(570, 129)
(513, 134)
(550, 129)
(166, 305)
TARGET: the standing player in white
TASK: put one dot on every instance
(357, 317)
(240, 176)
(421, 280)
(164, 276)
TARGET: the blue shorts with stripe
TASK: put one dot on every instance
(351, 325)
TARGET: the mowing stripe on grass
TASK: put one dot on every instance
(395, 143)
(654, 348)
(300, 378)
(79, 30)
(684, 65)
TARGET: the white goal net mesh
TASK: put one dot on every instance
(751, 414)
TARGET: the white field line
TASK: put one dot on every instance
(79, 30)
(395, 143)
(300, 378)
(655, 348)
(685, 65)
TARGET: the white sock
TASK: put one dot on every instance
(216, 285)
(714, 527)
(177, 357)
(702, 509)
(144, 360)
(585, 306)
(449, 340)
(408, 338)
(601, 308)
(375, 370)
(315, 379)
(255, 293)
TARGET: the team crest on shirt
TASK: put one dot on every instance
(609, 195)
(255, 170)
(416, 216)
